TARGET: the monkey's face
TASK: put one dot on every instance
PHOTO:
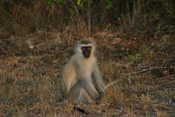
(86, 51)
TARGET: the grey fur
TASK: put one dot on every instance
(82, 77)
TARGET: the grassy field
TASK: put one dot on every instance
(139, 71)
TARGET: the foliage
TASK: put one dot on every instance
(57, 1)
(137, 17)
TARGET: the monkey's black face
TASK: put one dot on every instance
(86, 51)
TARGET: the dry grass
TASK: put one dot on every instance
(141, 73)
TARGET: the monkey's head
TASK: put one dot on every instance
(86, 48)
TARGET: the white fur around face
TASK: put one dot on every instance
(78, 50)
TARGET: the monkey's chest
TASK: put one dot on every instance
(86, 69)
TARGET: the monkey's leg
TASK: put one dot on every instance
(78, 94)
(90, 89)
(84, 97)
(74, 93)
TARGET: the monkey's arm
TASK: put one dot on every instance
(98, 80)
(69, 76)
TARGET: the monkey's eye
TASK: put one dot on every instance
(86, 48)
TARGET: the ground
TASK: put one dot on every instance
(139, 73)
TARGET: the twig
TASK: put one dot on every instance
(145, 70)
(83, 111)
(133, 73)
(89, 17)
(75, 7)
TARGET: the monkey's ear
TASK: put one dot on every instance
(76, 46)
(78, 42)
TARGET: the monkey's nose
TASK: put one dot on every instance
(86, 53)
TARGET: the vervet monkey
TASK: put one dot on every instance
(82, 78)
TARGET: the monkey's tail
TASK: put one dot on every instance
(110, 84)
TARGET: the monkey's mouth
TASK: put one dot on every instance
(86, 51)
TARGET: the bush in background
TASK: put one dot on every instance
(138, 17)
